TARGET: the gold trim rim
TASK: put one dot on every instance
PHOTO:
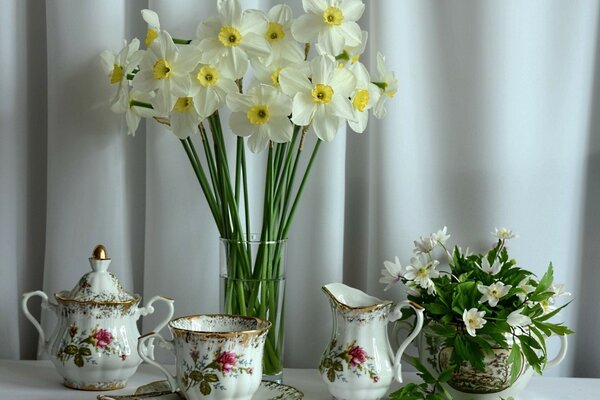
(252, 332)
(65, 300)
(383, 304)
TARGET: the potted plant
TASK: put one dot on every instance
(487, 319)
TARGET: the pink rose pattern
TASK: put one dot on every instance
(103, 338)
(81, 348)
(355, 357)
(227, 359)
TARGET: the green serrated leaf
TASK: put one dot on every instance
(532, 357)
(552, 313)
(546, 281)
(446, 374)
(442, 330)
(515, 361)
(424, 372)
(436, 308)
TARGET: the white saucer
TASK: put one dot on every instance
(160, 390)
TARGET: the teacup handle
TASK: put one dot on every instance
(45, 305)
(145, 350)
(561, 353)
(418, 325)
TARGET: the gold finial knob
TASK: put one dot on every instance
(100, 253)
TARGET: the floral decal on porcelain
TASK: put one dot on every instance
(204, 372)
(355, 357)
(80, 345)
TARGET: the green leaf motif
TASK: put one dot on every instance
(337, 366)
(212, 378)
(331, 375)
(84, 351)
(205, 388)
(78, 360)
(196, 376)
(71, 350)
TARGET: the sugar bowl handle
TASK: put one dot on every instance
(45, 305)
(149, 309)
(418, 325)
(146, 352)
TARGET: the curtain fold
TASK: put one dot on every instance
(493, 126)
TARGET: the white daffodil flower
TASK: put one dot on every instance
(350, 54)
(332, 23)
(441, 236)
(364, 97)
(210, 86)
(424, 245)
(387, 83)
(422, 273)
(392, 273)
(118, 66)
(134, 111)
(321, 100)
(153, 22)
(492, 269)
(517, 320)
(473, 320)
(504, 234)
(278, 35)
(493, 293)
(165, 69)
(262, 114)
(269, 73)
(232, 37)
(525, 288)
(184, 117)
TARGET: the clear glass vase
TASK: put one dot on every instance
(253, 284)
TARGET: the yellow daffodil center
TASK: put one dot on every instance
(361, 99)
(355, 59)
(322, 94)
(391, 93)
(183, 103)
(208, 76)
(229, 36)
(333, 16)
(258, 115)
(151, 34)
(274, 32)
(275, 76)
(161, 69)
(117, 74)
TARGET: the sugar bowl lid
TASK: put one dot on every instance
(98, 285)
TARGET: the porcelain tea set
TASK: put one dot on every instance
(96, 344)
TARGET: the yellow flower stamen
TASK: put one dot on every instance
(230, 36)
(117, 74)
(322, 94)
(355, 59)
(151, 34)
(183, 103)
(208, 76)
(361, 99)
(275, 76)
(258, 115)
(161, 69)
(333, 16)
(274, 32)
(391, 93)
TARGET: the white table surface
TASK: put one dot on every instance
(37, 380)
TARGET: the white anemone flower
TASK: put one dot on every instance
(279, 36)
(493, 293)
(517, 320)
(422, 273)
(412, 289)
(492, 269)
(558, 290)
(525, 287)
(364, 97)
(441, 236)
(262, 114)
(118, 66)
(163, 68)
(424, 245)
(331, 22)
(134, 108)
(547, 306)
(232, 37)
(184, 118)
(210, 86)
(151, 18)
(321, 100)
(504, 234)
(388, 84)
(392, 273)
(473, 320)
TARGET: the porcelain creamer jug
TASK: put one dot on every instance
(359, 363)
(94, 344)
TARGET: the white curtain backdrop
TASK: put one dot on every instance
(495, 124)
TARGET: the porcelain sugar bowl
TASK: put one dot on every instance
(93, 345)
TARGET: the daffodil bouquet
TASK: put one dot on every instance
(299, 75)
(479, 301)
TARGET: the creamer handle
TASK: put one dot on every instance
(561, 353)
(147, 349)
(418, 325)
(45, 305)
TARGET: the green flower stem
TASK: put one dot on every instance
(211, 163)
(246, 203)
(181, 41)
(137, 103)
(238, 168)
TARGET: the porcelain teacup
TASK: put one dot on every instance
(217, 357)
